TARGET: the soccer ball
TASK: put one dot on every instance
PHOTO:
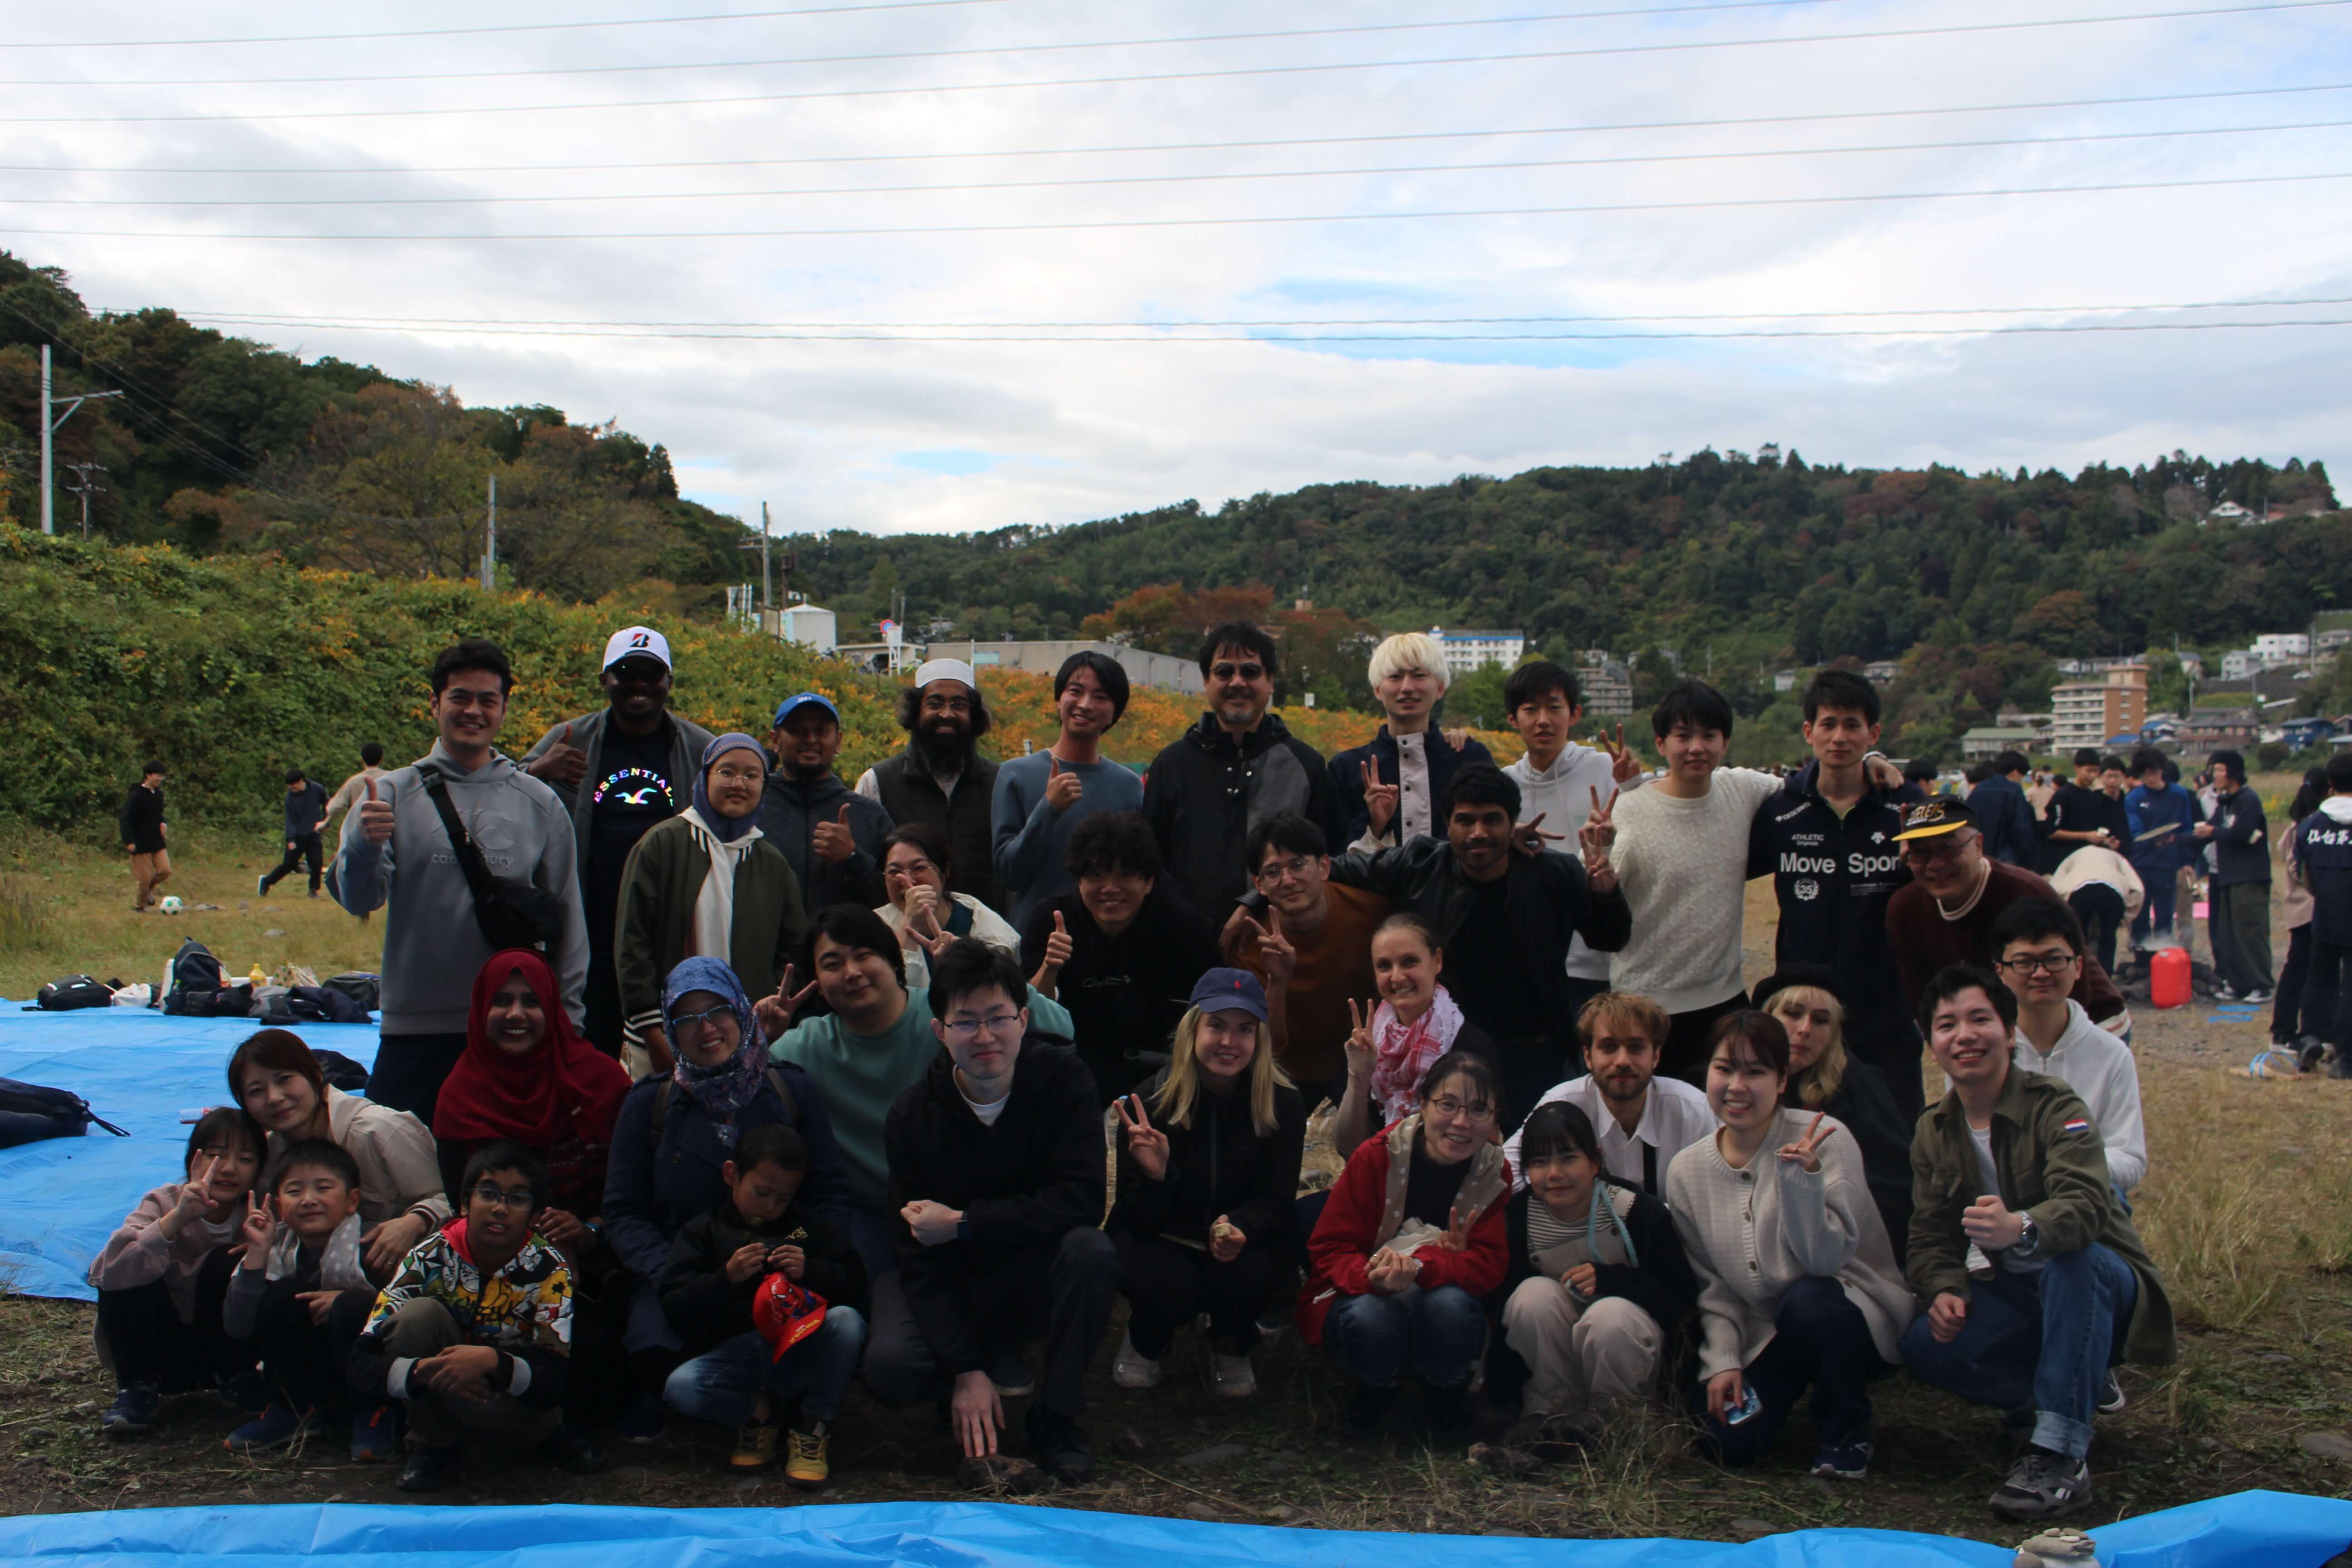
(171, 904)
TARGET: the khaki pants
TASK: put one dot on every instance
(1585, 1357)
(149, 872)
(423, 1327)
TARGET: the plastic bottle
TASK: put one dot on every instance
(256, 978)
(2167, 978)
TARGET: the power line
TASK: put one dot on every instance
(1221, 176)
(476, 32)
(1082, 224)
(1353, 29)
(1949, 30)
(1831, 117)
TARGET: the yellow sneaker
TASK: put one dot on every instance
(755, 1445)
(804, 1458)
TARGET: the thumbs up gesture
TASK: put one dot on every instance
(1062, 790)
(376, 817)
(832, 840)
(1048, 977)
(561, 763)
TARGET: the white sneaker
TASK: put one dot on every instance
(1230, 1376)
(1130, 1369)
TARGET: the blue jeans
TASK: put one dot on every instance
(1441, 1331)
(1821, 1341)
(722, 1386)
(2155, 917)
(2043, 1342)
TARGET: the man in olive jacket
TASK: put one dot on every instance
(2030, 1280)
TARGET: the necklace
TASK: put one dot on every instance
(1984, 881)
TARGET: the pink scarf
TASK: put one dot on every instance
(1403, 1053)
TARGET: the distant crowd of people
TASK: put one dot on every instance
(753, 1082)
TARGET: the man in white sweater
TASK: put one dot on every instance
(2040, 950)
(1682, 856)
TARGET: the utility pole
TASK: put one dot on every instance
(85, 489)
(767, 595)
(490, 542)
(50, 428)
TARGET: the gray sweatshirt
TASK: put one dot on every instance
(432, 944)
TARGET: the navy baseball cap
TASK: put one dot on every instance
(1230, 991)
(793, 704)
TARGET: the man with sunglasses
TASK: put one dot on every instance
(1957, 893)
(1238, 766)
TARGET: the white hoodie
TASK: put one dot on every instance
(1564, 793)
(2101, 1070)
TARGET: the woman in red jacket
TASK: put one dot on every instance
(1410, 1244)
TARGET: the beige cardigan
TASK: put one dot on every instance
(400, 1169)
(1752, 1234)
(138, 1253)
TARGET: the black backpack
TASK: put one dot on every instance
(63, 995)
(199, 988)
(361, 987)
(313, 1005)
(340, 1072)
(29, 1112)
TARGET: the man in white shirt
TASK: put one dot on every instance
(1644, 1120)
(2039, 949)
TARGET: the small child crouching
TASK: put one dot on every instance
(301, 1294)
(162, 1277)
(475, 1330)
(769, 1299)
(1597, 1284)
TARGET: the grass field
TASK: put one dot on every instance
(2245, 1208)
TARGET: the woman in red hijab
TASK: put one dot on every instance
(529, 1076)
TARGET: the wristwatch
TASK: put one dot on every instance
(2029, 1239)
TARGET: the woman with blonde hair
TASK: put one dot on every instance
(1810, 1003)
(1208, 1167)
(1389, 788)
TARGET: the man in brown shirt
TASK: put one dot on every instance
(1946, 915)
(1311, 946)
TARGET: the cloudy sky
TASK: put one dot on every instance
(861, 261)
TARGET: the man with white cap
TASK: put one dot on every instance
(831, 834)
(940, 779)
(619, 770)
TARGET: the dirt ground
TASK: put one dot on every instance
(2246, 1209)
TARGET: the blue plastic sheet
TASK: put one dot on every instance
(61, 1199)
(2273, 1529)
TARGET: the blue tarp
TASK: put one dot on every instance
(60, 1199)
(2252, 1530)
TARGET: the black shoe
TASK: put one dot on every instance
(1059, 1447)
(430, 1469)
(133, 1411)
(1368, 1410)
(570, 1449)
(643, 1418)
(2043, 1485)
(247, 1392)
(2111, 1394)
(1449, 1411)
(2310, 1052)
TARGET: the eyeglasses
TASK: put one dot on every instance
(694, 1023)
(1445, 1105)
(2038, 964)
(908, 870)
(969, 1029)
(1297, 866)
(499, 1198)
(1927, 851)
(1237, 671)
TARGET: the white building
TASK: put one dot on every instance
(1466, 650)
(2239, 664)
(1606, 685)
(810, 625)
(2278, 648)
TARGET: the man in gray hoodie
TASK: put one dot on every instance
(397, 854)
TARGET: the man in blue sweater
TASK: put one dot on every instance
(2163, 817)
(1042, 798)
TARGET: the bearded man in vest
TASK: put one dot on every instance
(940, 779)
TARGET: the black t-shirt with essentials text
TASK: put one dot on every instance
(631, 791)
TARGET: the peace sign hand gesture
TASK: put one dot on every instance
(1598, 832)
(1380, 800)
(255, 1231)
(1273, 949)
(1145, 1144)
(1624, 767)
(1363, 1055)
(1806, 1151)
(1455, 1237)
(776, 1013)
(1529, 837)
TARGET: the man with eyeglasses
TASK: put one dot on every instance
(396, 855)
(2040, 949)
(941, 780)
(1945, 916)
(997, 1173)
(1311, 947)
(618, 770)
(1238, 766)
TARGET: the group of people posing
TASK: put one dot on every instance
(801, 1083)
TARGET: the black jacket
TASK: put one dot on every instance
(1882, 1131)
(140, 820)
(1022, 1184)
(1347, 771)
(2073, 809)
(1205, 791)
(1218, 1165)
(2005, 818)
(1832, 877)
(1546, 895)
(707, 1309)
(2242, 844)
(1125, 993)
(304, 808)
(790, 812)
(910, 795)
(1659, 1280)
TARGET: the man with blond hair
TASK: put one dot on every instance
(1387, 788)
(1644, 1120)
